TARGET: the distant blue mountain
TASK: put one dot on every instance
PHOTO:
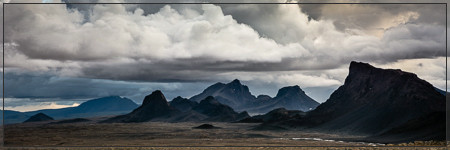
(105, 106)
(14, 116)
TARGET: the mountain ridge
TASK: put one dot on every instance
(156, 108)
(109, 105)
(238, 96)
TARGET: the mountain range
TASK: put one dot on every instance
(156, 108)
(384, 105)
(105, 106)
(238, 96)
(233, 94)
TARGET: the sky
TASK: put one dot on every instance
(59, 55)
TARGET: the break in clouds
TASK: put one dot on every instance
(266, 46)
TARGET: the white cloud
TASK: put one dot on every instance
(116, 43)
(52, 32)
(25, 104)
(431, 70)
(303, 79)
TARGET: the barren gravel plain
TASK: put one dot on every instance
(161, 135)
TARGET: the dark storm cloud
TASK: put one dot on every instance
(46, 87)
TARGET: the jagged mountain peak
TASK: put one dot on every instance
(156, 98)
(235, 82)
(239, 97)
(154, 106)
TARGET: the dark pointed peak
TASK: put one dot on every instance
(157, 92)
(289, 90)
(235, 82)
(157, 97)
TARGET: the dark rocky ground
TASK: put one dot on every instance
(44, 134)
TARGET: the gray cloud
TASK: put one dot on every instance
(37, 87)
(275, 44)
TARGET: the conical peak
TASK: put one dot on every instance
(235, 82)
(157, 97)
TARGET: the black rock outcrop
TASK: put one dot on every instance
(374, 100)
(387, 104)
(154, 106)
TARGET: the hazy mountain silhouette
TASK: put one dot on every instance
(111, 105)
(39, 117)
(14, 116)
(239, 98)
(233, 94)
(291, 97)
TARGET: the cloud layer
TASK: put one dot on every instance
(268, 46)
